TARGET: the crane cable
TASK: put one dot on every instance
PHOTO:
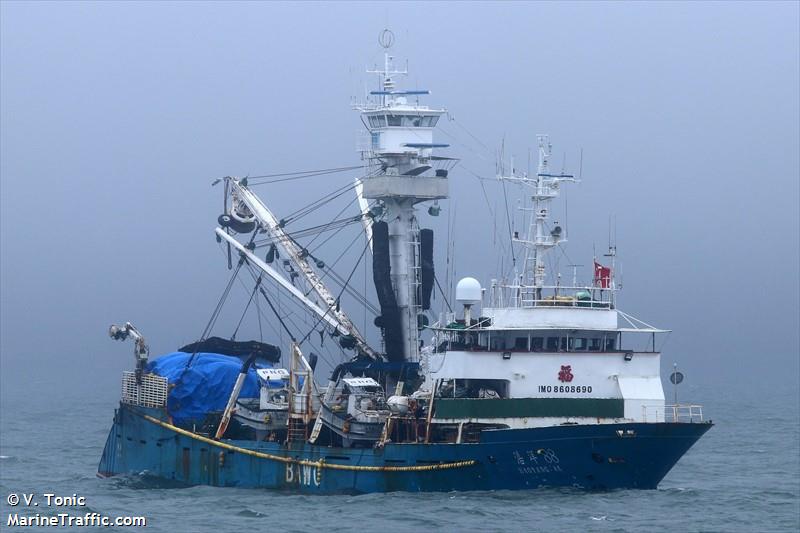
(289, 176)
(246, 307)
(363, 252)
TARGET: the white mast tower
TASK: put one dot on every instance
(403, 172)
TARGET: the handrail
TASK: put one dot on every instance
(527, 296)
(678, 413)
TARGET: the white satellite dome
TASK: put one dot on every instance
(468, 291)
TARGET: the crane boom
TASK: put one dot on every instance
(272, 273)
(293, 252)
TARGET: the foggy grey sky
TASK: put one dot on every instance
(115, 117)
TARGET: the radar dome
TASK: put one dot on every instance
(468, 291)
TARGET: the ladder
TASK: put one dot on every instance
(414, 292)
(296, 430)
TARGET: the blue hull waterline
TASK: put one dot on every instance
(595, 457)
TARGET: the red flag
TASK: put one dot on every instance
(602, 276)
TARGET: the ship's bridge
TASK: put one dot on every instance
(400, 138)
(400, 128)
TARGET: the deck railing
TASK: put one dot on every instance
(685, 413)
(552, 296)
(150, 391)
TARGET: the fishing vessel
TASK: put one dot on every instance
(523, 382)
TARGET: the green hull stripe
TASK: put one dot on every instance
(529, 407)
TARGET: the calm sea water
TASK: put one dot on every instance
(744, 475)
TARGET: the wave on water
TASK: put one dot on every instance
(144, 481)
(249, 513)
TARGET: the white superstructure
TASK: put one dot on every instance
(544, 353)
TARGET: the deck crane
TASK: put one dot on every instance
(328, 307)
(141, 352)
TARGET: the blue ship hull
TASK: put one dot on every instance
(605, 456)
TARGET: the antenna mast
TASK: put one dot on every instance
(541, 237)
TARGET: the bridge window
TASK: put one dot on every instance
(537, 344)
(429, 121)
(521, 343)
(580, 344)
(376, 140)
(552, 344)
(378, 121)
(596, 345)
(610, 345)
(406, 121)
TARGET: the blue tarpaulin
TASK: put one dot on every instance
(205, 386)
